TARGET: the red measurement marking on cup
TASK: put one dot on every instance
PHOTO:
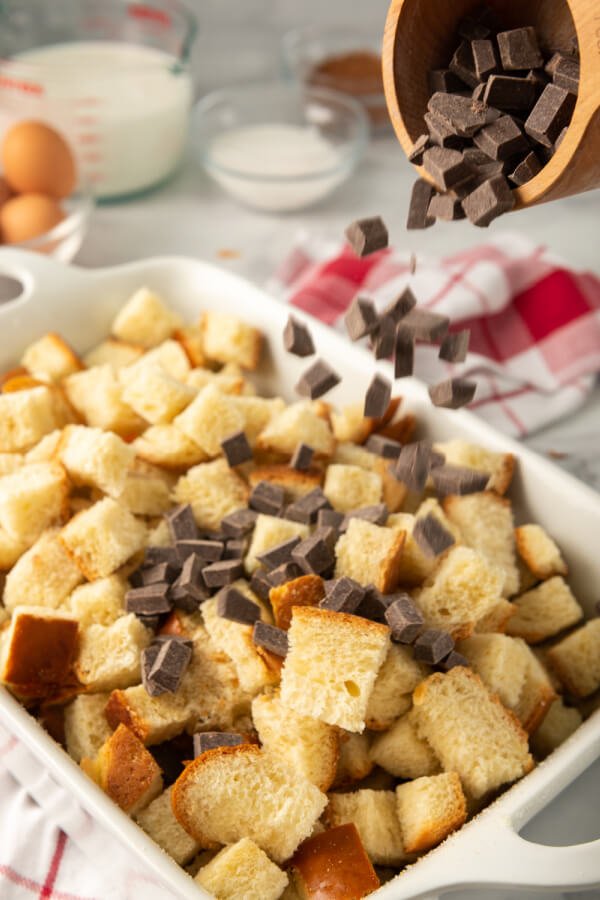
(87, 101)
(88, 137)
(84, 121)
(140, 11)
(19, 84)
(90, 157)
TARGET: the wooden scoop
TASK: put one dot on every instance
(420, 35)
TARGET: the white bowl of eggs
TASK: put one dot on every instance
(42, 207)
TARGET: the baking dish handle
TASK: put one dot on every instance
(32, 270)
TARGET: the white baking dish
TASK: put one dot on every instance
(488, 851)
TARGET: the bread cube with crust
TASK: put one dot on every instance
(11, 549)
(96, 458)
(307, 590)
(376, 819)
(169, 448)
(99, 602)
(38, 651)
(156, 396)
(429, 809)
(354, 762)
(242, 871)
(25, 417)
(44, 576)
(109, 655)
(402, 752)
(209, 419)
(392, 692)
(145, 319)
(298, 423)
(338, 857)
(544, 611)
(231, 383)
(86, 728)
(331, 665)
(213, 490)
(394, 492)
(100, 539)
(226, 338)
(268, 532)
(10, 462)
(190, 338)
(257, 413)
(370, 554)
(51, 358)
(500, 663)
(538, 692)
(349, 487)
(539, 552)
(415, 565)
(32, 499)
(576, 659)
(125, 771)
(351, 425)
(159, 823)
(497, 618)
(499, 466)
(114, 353)
(169, 357)
(97, 397)
(559, 723)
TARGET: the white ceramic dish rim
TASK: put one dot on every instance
(488, 851)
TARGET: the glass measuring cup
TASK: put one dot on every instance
(113, 77)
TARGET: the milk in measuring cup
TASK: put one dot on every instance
(124, 107)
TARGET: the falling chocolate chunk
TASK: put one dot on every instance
(419, 147)
(342, 595)
(485, 61)
(444, 80)
(267, 498)
(404, 352)
(502, 139)
(377, 398)
(402, 305)
(223, 572)
(453, 393)
(418, 212)
(519, 49)
(209, 551)
(211, 740)
(236, 607)
(446, 167)
(455, 346)
(305, 509)
(317, 380)
(490, 200)
(383, 446)
(260, 584)
(297, 338)
(464, 115)
(361, 318)
(446, 207)
(376, 514)
(271, 638)
(404, 618)
(279, 554)
(431, 536)
(527, 169)
(150, 600)
(239, 523)
(181, 522)
(302, 457)
(550, 115)
(384, 338)
(287, 572)
(509, 92)
(236, 448)
(313, 555)
(412, 466)
(452, 660)
(449, 479)
(425, 325)
(366, 236)
(463, 65)
(432, 646)
(170, 664)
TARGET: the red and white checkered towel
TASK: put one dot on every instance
(535, 324)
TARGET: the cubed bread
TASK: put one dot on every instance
(392, 692)
(156, 396)
(559, 723)
(45, 450)
(38, 651)
(11, 549)
(331, 665)
(544, 611)
(99, 602)
(308, 590)
(86, 728)
(257, 413)
(497, 618)
(145, 319)
(402, 752)
(460, 591)
(349, 487)
(351, 425)
(415, 565)
(125, 771)
(44, 576)
(215, 799)
(213, 490)
(492, 749)
(354, 761)
(499, 466)
(305, 744)
(209, 419)
(50, 358)
(394, 491)
(97, 397)
(190, 338)
(32, 499)
(232, 383)
(268, 532)
(538, 692)
(10, 462)
(166, 446)
(486, 524)
(370, 554)
(114, 353)
(226, 338)
(25, 417)
(102, 538)
(429, 809)
(242, 871)
(539, 552)
(376, 820)
(298, 423)
(97, 458)
(169, 356)
(576, 659)
(295, 483)
(337, 858)
(500, 663)
(145, 495)
(159, 823)
(109, 655)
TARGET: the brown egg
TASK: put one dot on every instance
(37, 160)
(6, 191)
(28, 216)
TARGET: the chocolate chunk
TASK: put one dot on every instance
(509, 92)
(419, 147)
(240, 522)
(412, 466)
(448, 479)
(453, 393)
(313, 555)
(550, 115)
(181, 522)
(376, 514)
(472, 30)
(432, 646)
(190, 579)
(436, 459)
(421, 195)
(261, 584)
(452, 660)
(305, 509)
(431, 536)
(209, 551)
(273, 639)
(445, 81)
(463, 65)
(236, 448)
(455, 346)
(481, 164)
(446, 167)
(374, 604)
(150, 600)
(402, 305)
(235, 548)
(329, 518)
(147, 660)
(151, 622)
(160, 572)
(384, 338)
(297, 338)
(383, 446)
(377, 398)
(478, 92)
(211, 740)
(342, 595)
(490, 200)
(279, 554)
(155, 555)
(361, 318)
(287, 572)
(519, 49)
(446, 207)
(267, 498)
(169, 665)
(485, 60)
(317, 380)
(463, 114)
(302, 457)
(366, 236)
(161, 638)
(425, 325)
(223, 572)
(527, 169)
(441, 133)
(404, 618)
(561, 137)
(404, 352)
(502, 139)
(565, 72)
(236, 607)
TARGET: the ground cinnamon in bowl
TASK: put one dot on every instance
(356, 72)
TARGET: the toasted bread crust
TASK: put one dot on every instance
(308, 590)
(118, 712)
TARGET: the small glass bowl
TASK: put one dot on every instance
(283, 182)
(64, 240)
(308, 54)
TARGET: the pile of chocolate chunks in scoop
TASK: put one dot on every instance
(495, 118)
